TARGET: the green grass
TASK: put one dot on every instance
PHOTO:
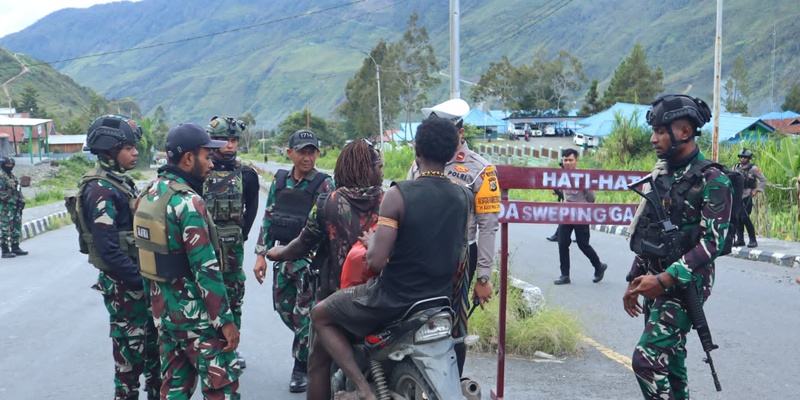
(45, 197)
(58, 222)
(552, 330)
(70, 172)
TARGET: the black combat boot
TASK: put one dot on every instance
(17, 251)
(299, 381)
(7, 253)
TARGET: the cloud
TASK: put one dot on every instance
(18, 15)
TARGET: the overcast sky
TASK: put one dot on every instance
(16, 15)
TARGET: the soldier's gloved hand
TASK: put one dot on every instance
(231, 334)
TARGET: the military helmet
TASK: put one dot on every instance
(671, 107)
(7, 160)
(110, 130)
(746, 153)
(225, 127)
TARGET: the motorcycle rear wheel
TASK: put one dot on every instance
(409, 383)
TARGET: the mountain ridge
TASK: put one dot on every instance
(300, 54)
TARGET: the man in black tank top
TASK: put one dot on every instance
(413, 216)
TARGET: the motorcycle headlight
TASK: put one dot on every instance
(438, 327)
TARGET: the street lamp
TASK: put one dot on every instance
(380, 109)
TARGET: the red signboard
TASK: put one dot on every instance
(566, 213)
(565, 179)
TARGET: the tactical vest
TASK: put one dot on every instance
(650, 240)
(74, 205)
(750, 181)
(152, 237)
(291, 207)
(223, 195)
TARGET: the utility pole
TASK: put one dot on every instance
(772, 74)
(380, 107)
(717, 75)
(455, 55)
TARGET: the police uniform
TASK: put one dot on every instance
(11, 204)
(103, 214)
(702, 219)
(176, 239)
(754, 181)
(469, 169)
(292, 289)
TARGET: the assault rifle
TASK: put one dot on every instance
(695, 309)
(667, 244)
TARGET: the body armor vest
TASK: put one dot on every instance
(152, 237)
(750, 181)
(222, 192)
(291, 207)
(74, 205)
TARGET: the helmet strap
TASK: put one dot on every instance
(674, 143)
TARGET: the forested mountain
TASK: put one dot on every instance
(203, 57)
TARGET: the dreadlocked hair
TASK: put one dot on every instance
(354, 165)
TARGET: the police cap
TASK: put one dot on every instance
(187, 137)
(454, 110)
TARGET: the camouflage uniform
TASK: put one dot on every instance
(658, 359)
(189, 312)
(233, 275)
(11, 204)
(292, 294)
(134, 338)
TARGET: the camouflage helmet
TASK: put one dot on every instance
(671, 107)
(108, 131)
(225, 127)
(746, 153)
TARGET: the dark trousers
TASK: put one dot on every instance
(582, 237)
(461, 349)
(747, 208)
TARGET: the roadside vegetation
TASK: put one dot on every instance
(548, 329)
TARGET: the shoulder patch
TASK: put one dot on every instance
(488, 198)
(461, 156)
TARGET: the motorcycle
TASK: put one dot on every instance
(415, 352)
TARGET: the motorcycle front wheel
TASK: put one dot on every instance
(408, 382)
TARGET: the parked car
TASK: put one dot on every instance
(581, 140)
(549, 130)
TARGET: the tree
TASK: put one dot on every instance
(248, 135)
(566, 77)
(633, 80)
(737, 89)
(30, 103)
(297, 121)
(146, 145)
(591, 104)
(360, 110)
(792, 102)
(73, 127)
(412, 69)
(496, 82)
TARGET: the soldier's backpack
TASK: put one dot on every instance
(737, 187)
(292, 207)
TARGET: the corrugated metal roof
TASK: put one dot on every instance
(601, 123)
(779, 115)
(479, 118)
(407, 132)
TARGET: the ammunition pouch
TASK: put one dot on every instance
(228, 237)
(223, 195)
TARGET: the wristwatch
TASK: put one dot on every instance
(483, 280)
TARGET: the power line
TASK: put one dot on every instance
(519, 30)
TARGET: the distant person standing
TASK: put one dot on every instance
(569, 159)
(754, 183)
(231, 195)
(11, 204)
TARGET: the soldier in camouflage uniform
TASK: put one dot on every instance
(105, 195)
(704, 216)
(292, 293)
(177, 240)
(231, 195)
(11, 204)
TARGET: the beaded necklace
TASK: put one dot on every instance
(434, 174)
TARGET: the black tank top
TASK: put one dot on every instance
(429, 242)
